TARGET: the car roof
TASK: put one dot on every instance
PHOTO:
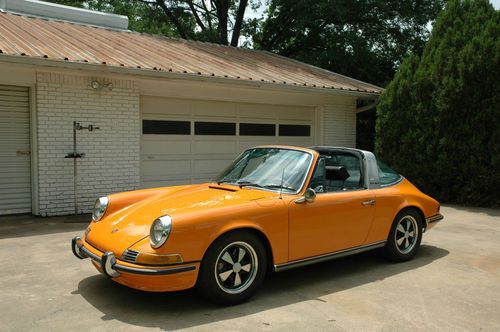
(290, 147)
(321, 149)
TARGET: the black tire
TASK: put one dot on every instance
(219, 283)
(405, 222)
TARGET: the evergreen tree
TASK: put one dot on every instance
(439, 119)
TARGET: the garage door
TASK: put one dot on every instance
(192, 141)
(15, 176)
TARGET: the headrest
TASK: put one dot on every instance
(336, 173)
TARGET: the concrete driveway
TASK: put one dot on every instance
(453, 284)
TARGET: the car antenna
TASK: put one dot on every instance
(281, 185)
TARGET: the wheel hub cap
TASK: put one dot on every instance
(236, 267)
(406, 234)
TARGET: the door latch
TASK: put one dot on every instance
(369, 202)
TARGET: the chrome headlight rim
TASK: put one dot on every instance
(159, 231)
(100, 207)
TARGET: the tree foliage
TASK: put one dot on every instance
(439, 119)
(216, 21)
(364, 39)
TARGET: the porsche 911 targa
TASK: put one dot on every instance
(274, 208)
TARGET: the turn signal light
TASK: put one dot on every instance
(154, 259)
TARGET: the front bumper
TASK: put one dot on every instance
(112, 268)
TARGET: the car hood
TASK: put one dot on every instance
(121, 229)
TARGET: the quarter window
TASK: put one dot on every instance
(386, 175)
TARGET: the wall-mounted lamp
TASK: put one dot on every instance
(96, 85)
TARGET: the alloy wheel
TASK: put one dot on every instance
(236, 267)
(406, 234)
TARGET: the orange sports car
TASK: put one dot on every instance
(273, 208)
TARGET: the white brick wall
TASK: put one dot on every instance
(111, 162)
(339, 125)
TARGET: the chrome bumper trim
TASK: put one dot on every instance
(435, 218)
(112, 269)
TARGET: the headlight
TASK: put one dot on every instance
(101, 204)
(160, 229)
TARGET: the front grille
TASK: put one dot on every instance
(130, 255)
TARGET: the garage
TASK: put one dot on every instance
(15, 168)
(189, 141)
(177, 114)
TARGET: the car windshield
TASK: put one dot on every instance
(269, 168)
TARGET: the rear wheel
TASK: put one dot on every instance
(233, 268)
(405, 236)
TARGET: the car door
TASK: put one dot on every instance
(340, 217)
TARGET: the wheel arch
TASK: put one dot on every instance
(418, 210)
(251, 229)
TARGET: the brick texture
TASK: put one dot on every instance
(112, 153)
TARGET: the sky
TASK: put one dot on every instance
(496, 3)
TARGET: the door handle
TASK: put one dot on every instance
(369, 202)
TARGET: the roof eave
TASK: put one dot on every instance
(106, 68)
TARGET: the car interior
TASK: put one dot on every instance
(337, 171)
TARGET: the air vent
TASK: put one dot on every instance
(64, 13)
(130, 255)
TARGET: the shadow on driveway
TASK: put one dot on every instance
(22, 225)
(172, 311)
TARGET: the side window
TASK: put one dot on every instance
(386, 175)
(318, 178)
(339, 172)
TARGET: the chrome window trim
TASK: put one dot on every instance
(401, 178)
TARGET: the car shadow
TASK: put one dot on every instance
(162, 310)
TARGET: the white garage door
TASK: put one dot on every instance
(187, 141)
(15, 161)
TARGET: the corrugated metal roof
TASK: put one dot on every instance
(70, 42)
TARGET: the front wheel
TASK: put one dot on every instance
(405, 236)
(233, 268)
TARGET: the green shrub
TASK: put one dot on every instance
(438, 122)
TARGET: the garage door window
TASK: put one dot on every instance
(215, 128)
(295, 130)
(159, 127)
(257, 129)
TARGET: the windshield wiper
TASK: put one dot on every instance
(224, 181)
(279, 186)
(248, 184)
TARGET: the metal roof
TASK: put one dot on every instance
(50, 39)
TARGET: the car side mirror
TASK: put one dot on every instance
(309, 196)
